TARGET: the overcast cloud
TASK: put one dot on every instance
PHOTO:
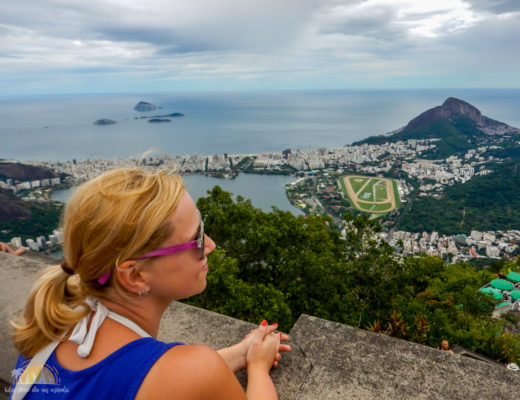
(60, 46)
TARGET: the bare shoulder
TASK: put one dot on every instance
(190, 372)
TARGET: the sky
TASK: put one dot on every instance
(125, 46)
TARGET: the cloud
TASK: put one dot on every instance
(225, 24)
(392, 21)
(495, 6)
(253, 42)
(361, 20)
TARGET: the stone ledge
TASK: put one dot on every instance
(356, 364)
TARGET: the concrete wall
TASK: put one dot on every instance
(328, 361)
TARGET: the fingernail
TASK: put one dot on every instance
(275, 324)
(280, 335)
(264, 323)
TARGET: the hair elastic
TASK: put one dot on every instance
(104, 278)
(65, 267)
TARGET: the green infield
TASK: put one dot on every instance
(381, 194)
(357, 183)
(375, 207)
(366, 196)
(366, 206)
(370, 187)
(383, 207)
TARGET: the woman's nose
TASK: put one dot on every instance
(209, 245)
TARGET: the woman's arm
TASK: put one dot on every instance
(235, 356)
(260, 357)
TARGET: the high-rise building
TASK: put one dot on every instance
(32, 245)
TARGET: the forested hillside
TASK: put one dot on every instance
(489, 202)
(456, 136)
(277, 266)
(26, 219)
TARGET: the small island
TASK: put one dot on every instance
(144, 106)
(158, 120)
(172, 115)
(104, 121)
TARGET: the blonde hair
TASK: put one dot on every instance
(117, 216)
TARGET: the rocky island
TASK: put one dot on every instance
(144, 106)
(172, 115)
(158, 120)
(105, 121)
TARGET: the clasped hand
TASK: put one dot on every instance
(261, 346)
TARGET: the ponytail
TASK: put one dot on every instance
(51, 310)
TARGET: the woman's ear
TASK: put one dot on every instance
(130, 277)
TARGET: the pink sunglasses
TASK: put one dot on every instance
(198, 243)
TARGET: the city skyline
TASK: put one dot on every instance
(116, 46)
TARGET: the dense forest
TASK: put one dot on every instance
(489, 202)
(277, 266)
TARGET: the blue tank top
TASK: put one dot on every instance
(118, 376)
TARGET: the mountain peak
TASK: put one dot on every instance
(453, 107)
(456, 106)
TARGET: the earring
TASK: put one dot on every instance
(143, 292)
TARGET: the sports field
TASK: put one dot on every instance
(377, 196)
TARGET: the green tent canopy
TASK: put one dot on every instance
(492, 292)
(513, 276)
(505, 303)
(502, 284)
(515, 294)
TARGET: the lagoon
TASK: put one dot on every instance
(265, 191)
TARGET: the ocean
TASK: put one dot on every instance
(61, 127)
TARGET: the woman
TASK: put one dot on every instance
(134, 242)
(5, 248)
